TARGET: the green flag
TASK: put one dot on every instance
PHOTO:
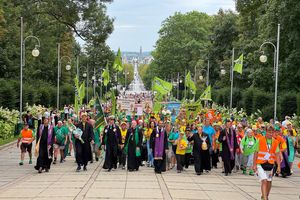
(157, 103)
(105, 76)
(206, 95)
(190, 83)
(238, 66)
(81, 93)
(161, 86)
(192, 110)
(76, 99)
(118, 62)
(100, 119)
(113, 103)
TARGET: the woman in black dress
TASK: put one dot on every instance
(45, 137)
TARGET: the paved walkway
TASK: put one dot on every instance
(63, 183)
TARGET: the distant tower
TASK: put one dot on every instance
(141, 53)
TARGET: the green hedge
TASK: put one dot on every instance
(252, 99)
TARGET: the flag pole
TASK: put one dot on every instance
(185, 84)
(231, 78)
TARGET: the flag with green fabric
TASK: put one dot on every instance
(81, 93)
(157, 102)
(206, 95)
(105, 76)
(161, 86)
(76, 97)
(100, 119)
(238, 66)
(118, 62)
(190, 83)
(113, 103)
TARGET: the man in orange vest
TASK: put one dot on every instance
(264, 159)
(26, 137)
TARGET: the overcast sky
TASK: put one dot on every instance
(138, 21)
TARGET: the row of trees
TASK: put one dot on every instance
(52, 22)
(187, 41)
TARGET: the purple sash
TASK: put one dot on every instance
(159, 144)
(50, 129)
(230, 144)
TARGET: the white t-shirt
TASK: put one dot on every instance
(66, 109)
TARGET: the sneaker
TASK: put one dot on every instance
(40, 170)
(123, 167)
(21, 163)
(78, 169)
(251, 173)
(84, 168)
(30, 161)
(46, 170)
(97, 159)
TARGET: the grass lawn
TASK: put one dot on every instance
(3, 142)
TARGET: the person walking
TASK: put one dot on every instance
(110, 142)
(83, 143)
(266, 155)
(45, 140)
(26, 138)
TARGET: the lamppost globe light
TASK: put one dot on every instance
(99, 80)
(263, 58)
(180, 81)
(223, 71)
(201, 77)
(84, 75)
(93, 78)
(35, 52)
(68, 67)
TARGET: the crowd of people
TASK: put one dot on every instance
(157, 141)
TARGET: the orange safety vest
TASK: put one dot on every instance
(27, 136)
(264, 150)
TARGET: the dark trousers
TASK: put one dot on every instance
(180, 161)
(197, 163)
(158, 165)
(121, 157)
(215, 158)
(228, 165)
(187, 158)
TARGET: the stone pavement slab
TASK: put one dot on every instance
(64, 183)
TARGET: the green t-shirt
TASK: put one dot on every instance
(249, 145)
(97, 136)
(61, 133)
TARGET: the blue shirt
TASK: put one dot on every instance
(173, 136)
(210, 131)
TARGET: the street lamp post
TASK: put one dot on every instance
(86, 75)
(94, 83)
(207, 74)
(68, 67)
(35, 53)
(263, 58)
(231, 78)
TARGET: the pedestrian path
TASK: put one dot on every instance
(63, 183)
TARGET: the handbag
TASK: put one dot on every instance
(37, 148)
(267, 166)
